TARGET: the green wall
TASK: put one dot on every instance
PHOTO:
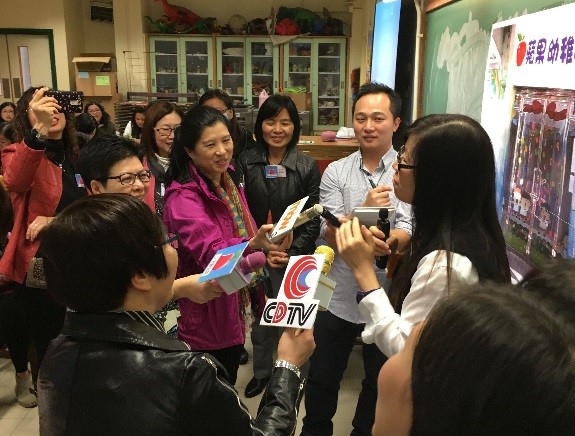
(457, 40)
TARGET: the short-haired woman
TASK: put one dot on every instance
(109, 259)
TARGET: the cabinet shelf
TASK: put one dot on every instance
(203, 55)
(163, 73)
(262, 74)
(326, 59)
(262, 56)
(166, 54)
(232, 74)
(197, 74)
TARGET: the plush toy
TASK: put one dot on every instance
(304, 18)
(178, 15)
(332, 26)
(257, 27)
(238, 24)
(287, 27)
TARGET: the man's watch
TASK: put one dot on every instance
(38, 135)
(362, 294)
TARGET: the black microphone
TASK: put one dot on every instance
(314, 211)
(383, 225)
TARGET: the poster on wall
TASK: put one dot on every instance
(529, 112)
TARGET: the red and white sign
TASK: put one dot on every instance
(296, 305)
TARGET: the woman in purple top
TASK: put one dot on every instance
(205, 205)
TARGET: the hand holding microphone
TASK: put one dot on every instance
(384, 225)
(314, 211)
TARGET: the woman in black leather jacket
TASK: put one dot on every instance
(113, 370)
(276, 175)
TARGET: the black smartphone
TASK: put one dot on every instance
(69, 101)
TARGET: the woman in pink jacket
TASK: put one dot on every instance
(41, 176)
(205, 205)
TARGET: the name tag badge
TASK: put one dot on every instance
(271, 171)
(162, 189)
(282, 171)
(79, 181)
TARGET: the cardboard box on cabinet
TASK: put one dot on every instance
(96, 76)
(302, 100)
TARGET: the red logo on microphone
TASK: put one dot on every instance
(295, 286)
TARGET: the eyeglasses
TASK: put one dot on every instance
(130, 178)
(166, 131)
(94, 111)
(173, 239)
(402, 165)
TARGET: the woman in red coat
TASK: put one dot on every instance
(41, 176)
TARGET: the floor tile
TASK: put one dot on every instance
(7, 425)
(27, 427)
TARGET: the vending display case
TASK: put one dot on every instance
(528, 110)
(537, 203)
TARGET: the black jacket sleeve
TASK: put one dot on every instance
(210, 405)
(306, 235)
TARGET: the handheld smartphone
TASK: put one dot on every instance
(69, 101)
(368, 216)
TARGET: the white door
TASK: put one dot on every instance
(25, 63)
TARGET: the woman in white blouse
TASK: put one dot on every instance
(446, 171)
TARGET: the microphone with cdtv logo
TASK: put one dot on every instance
(325, 285)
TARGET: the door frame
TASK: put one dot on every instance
(45, 32)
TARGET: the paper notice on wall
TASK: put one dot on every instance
(102, 80)
(83, 75)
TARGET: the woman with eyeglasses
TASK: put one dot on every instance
(218, 99)
(41, 175)
(205, 205)
(162, 119)
(105, 124)
(446, 171)
(109, 259)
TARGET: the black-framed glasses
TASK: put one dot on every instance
(130, 178)
(166, 131)
(173, 239)
(402, 165)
